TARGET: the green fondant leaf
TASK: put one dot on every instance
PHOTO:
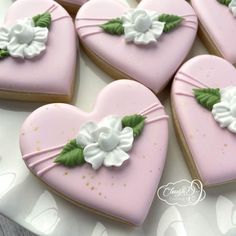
(225, 2)
(114, 27)
(171, 21)
(71, 155)
(136, 122)
(4, 53)
(207, 97)
(43, 20)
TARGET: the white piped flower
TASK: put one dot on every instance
(142, 26)
(224, 112)
(232, 7)
(24, 40)
(105, 143)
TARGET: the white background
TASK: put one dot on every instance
(25, 199)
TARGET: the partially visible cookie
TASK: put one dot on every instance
(109, 160)
(204, 107)
(37, 61)
(218, 26)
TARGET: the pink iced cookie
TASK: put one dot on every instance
(140, 48)
(218, 26)
(205, 118)
(42, 61)
(118, 167)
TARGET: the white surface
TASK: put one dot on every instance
(26, 200)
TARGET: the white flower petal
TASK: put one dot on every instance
(15, 49)
(4, 37)
(85, 135)
(232, 126)
(115, 158)
(34, 49)
(144, 39)
(232, 7)
(94, 155)
(157, 29)
(112, 122)
(41, 34)
(26, 21)
(126, 139)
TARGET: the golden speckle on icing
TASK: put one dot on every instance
(124, 185)
(92, 188)
(23, 134)
(100, 194)
(66, 173)
(38, 149)
(87, 184)
(225, 145)
(36, 129)
(83, 177)
(112, 184)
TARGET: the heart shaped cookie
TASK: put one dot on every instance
(218, 26)
(37, 60)
(94, 162)
(147, 44)
(203, 102)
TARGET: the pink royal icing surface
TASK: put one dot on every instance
(152, 65)
(220, 24)
(126, 192)
(212, 147)
(53, 71)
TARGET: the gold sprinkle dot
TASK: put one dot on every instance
(124, 185)
(150, 171)
(225, 145)
(38, 149)
(83, 177)
(66, 173)
(36, 129)
(92, 188)
(99, 193)
(87, 184)
(112, 184)
(22, 134)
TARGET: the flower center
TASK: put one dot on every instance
(23, 33)
(142, 22)
(108, 141)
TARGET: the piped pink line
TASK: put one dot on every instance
(190, 77)
(86, 26)
(164, 117)
(27, 156)
(51, 8)
(189, 15)
(190, 21)
(44, 170)
(151, 108)
(189, 26)
(33, 164)
(85, 18)
(60, 18)
(91, 33)
(188, 82)
(184, 94)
